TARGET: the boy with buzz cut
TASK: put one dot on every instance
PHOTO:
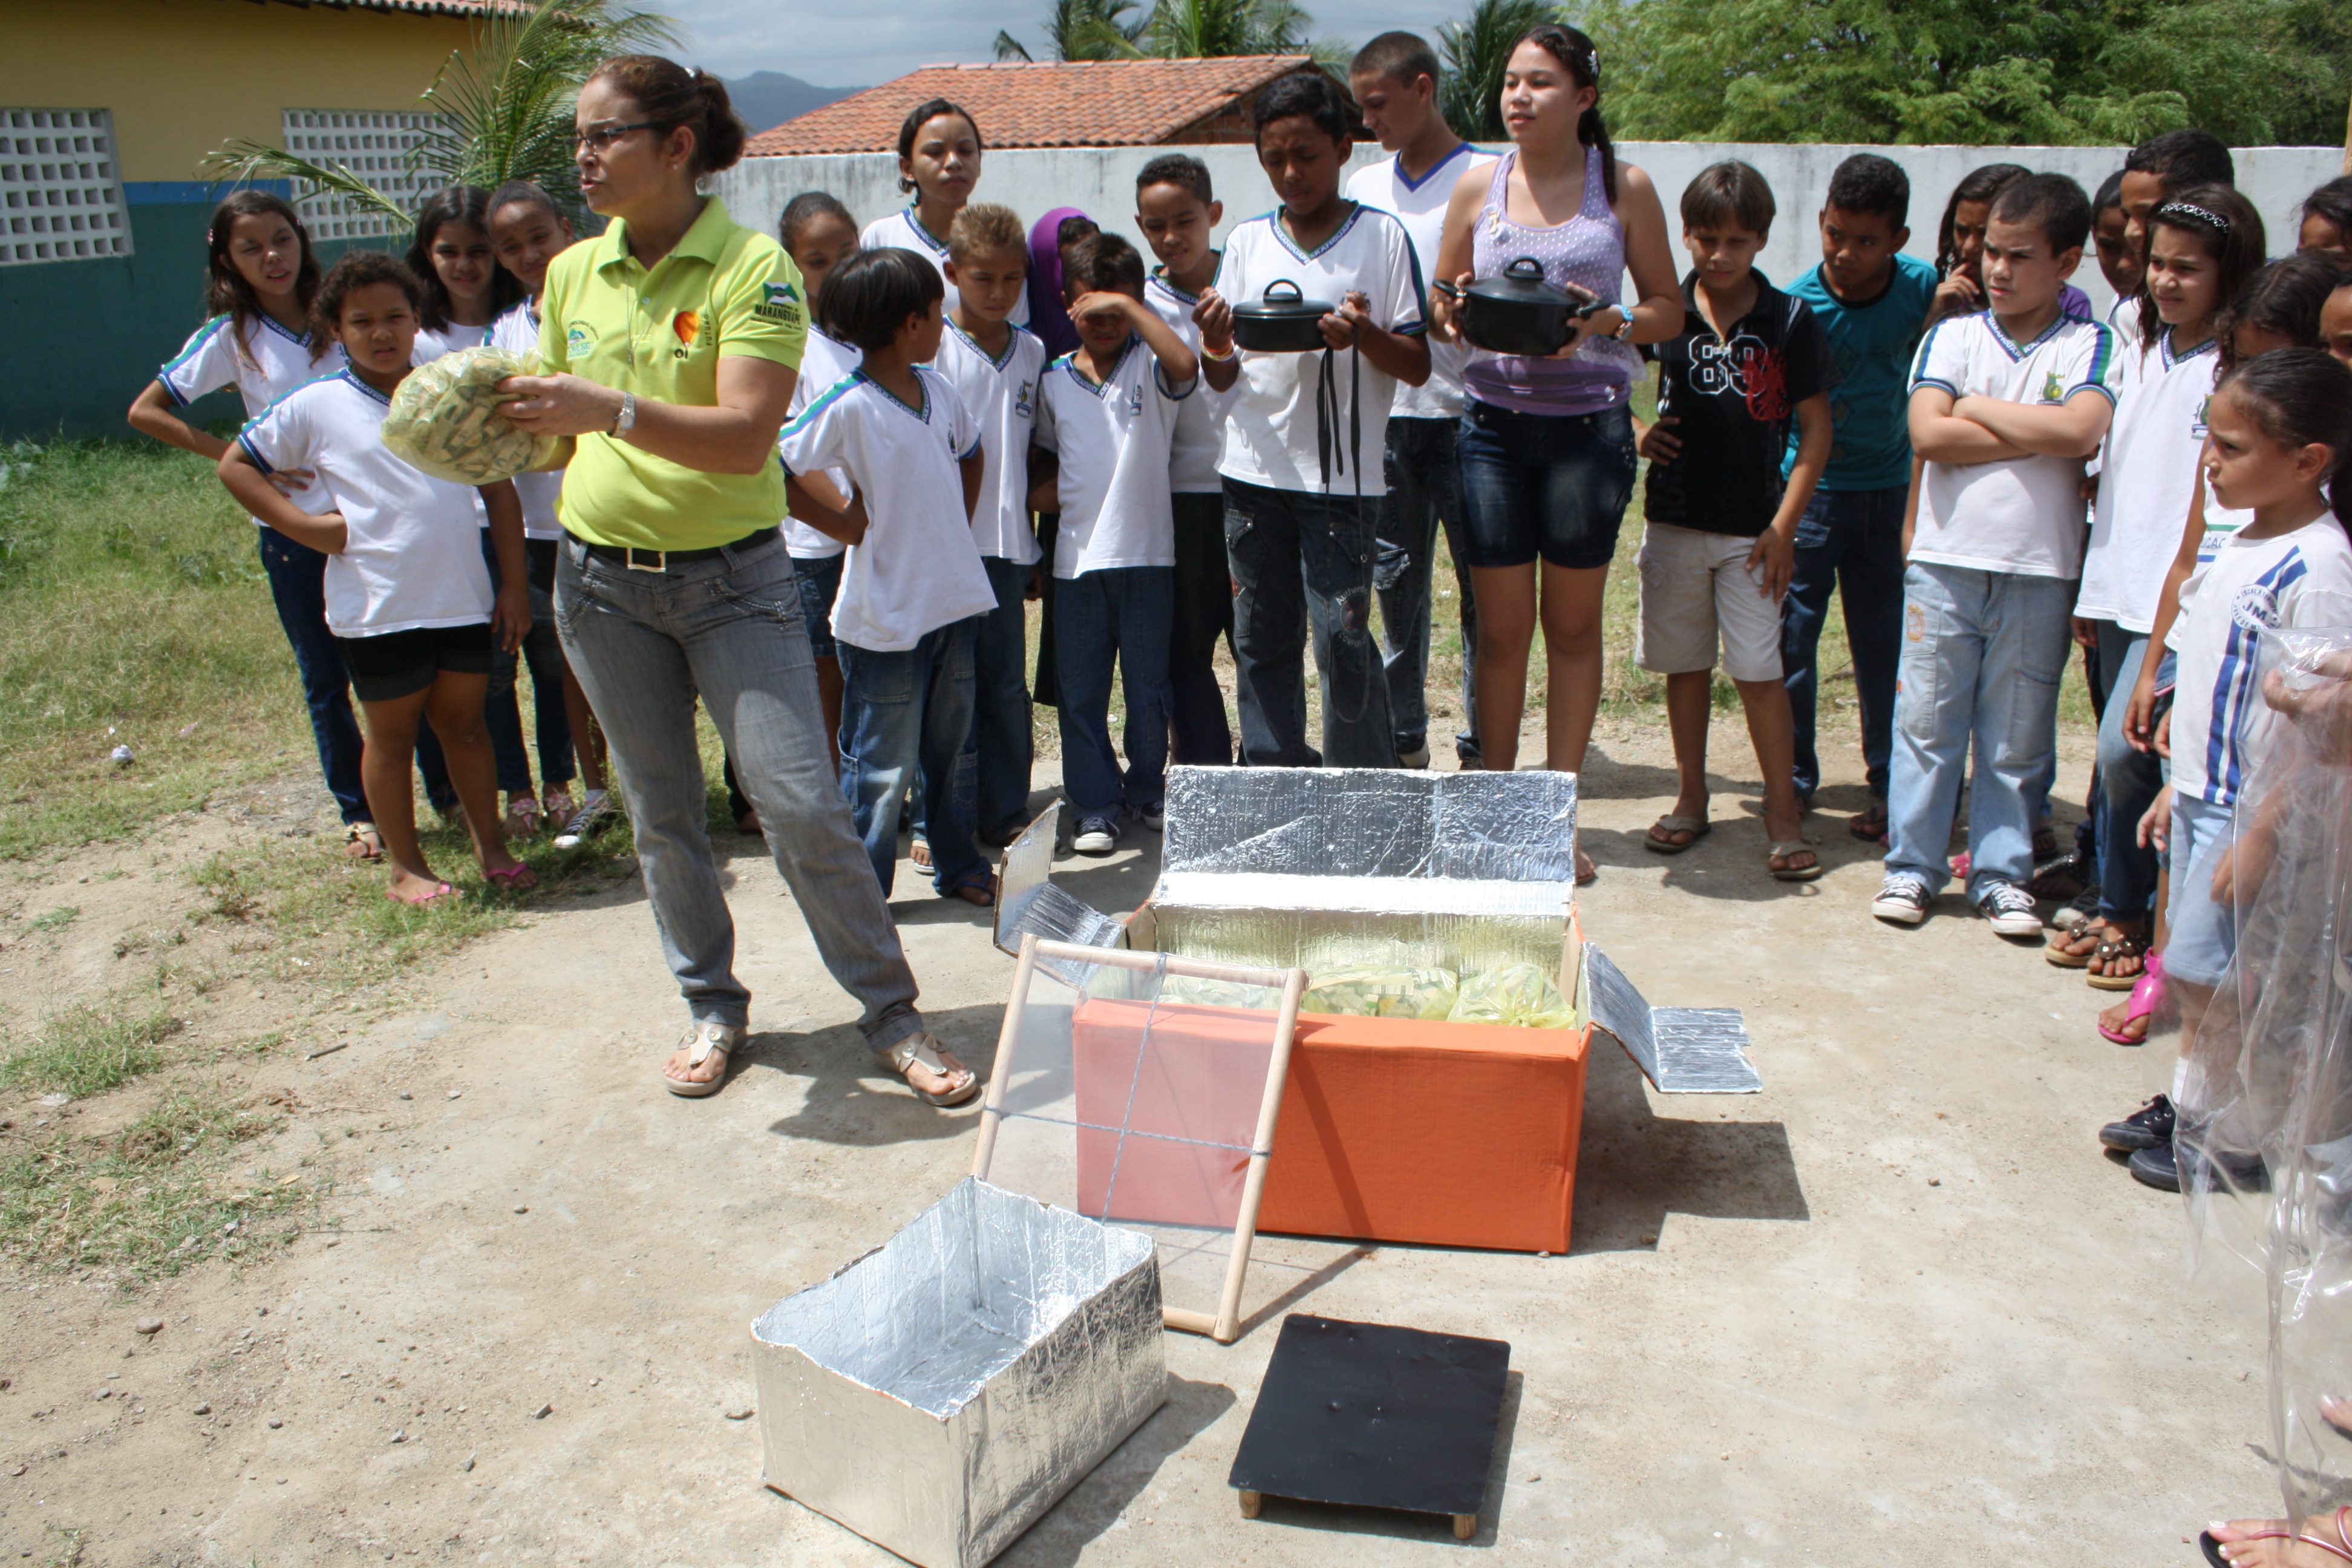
(2005, 406)
(995, 368)
(1177, 209)
(1869, 299)
(1719, 533)
(1394, 80)
(1108, 411)
(1303, 439)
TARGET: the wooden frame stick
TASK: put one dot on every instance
(1224, 1327)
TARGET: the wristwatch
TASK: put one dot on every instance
(627, 420)
(1624, 327)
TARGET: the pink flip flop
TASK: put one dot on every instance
(514, 878)
(2144, 995)
(441, 890)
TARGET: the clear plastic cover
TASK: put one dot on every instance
(2265, 1141)
(446, 422)
(1136, 1099)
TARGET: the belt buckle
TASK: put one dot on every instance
(629, 559)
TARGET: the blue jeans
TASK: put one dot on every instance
(1204, 612)
(1122, 613)
(999, 703)
(2128, 784)
(298, 586)
(542, 651)
(905, 714)
(2200, 932)
(1302, 564)
(645, 645)
(1553, 485)
(1982, 654)
(1424, 491)
(1850, 542)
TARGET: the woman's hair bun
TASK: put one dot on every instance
(668, 95)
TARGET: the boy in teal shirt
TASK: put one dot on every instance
(1870, 299)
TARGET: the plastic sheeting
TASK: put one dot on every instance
(2265, 1136)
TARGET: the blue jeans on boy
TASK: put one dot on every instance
(1424, 472)
(1848, 541)
(2128, 784)
(1302, 563)
(542, 652)
(1122, 613)
(904, 713)
(1982, 654)
(1000, 710)
(298, 586)
(727, 629)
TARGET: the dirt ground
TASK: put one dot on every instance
(1897, 1309)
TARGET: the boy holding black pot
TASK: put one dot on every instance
(1303, 439)
(1718, 540)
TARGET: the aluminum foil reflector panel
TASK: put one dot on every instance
(1681, 1050)
(940, 1394)
(1327, 822)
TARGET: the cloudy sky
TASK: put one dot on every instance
(860, 44)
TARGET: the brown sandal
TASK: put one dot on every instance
(2061, 951)
(2117, 945)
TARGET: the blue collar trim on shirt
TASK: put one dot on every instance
(1274, 222)
(300, 340)
(1410, 183)
(996, 361)
(2171, 358)
(2009, 347)
(354, 377)
(915, 222)
(1160, 278)
(1101, 389)
(923, 414)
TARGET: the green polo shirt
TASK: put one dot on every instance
(660, 332)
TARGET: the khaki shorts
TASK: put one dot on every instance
(1695, 587)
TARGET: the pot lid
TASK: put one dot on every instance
(1522, 282)
(1282, 302)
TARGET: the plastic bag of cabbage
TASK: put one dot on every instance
(1382, 991)
(445, 420)
(1517, 994)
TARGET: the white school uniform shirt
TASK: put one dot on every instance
(904, 231)
(1114, 441)
(2019, 515)
(2148, 469)
(1420, 205)
(414, 555)
(1199, 419)
(825, 360)
(1270, 428)
(918, 570)
(518, 330)
(264, 361)
(1002, 395)
(432, 342)
(2220, 723)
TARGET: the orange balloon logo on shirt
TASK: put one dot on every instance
(687, 324)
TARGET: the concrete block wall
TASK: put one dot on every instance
(1101, 183)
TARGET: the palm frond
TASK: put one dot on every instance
(1009, 48)
(1474, 51)
(240, 161)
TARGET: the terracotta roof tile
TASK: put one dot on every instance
(1090, 103)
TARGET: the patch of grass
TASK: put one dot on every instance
(152, 1199)
(133, 610)
(56, 920)
(91, 1048)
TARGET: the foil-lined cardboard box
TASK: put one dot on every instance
(940, 1394)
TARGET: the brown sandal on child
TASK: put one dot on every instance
(2115, 945)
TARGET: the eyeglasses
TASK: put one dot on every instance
(599, 138)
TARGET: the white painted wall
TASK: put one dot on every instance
(1101, 183)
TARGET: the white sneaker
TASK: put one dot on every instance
(2009, 910)
(1416, 758)
(1154, 816)
(596, 810)
(1902, 898)
(1096, 835)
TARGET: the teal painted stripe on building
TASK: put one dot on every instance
(172, 192)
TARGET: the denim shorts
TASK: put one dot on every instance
(820, 581)
(1544, 484)
(2200, 932)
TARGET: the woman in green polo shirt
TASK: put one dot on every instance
(671, 343)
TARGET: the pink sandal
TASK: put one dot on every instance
(440, 891)
(2145, 996)
(514, 878)
(2212, 1548)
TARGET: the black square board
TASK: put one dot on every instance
(1375, 1417)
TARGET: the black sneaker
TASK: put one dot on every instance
(2157, 1168)
(2009, 910)
(2149, 1127)
(1902, 898)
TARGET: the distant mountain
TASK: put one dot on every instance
(767, 99)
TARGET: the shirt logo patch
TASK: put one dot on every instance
(781, 303)
(2051, 391)
(687, 324)
(579, 336)
(2197, 426)
(1023, 406)
(2255, 608)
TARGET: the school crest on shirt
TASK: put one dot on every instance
(2052, 391)
(782, 303)
(1024, 405)
(579, 336)
(2255, 608)
(2197, 426)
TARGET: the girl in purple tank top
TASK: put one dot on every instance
(1547, 444)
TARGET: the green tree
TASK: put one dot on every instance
(1473, 52)
(502, 109)
(1080, 30)
(2011, 72)
(1179, 30)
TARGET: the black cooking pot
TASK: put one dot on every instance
(1281, 320)
(1519, 313)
